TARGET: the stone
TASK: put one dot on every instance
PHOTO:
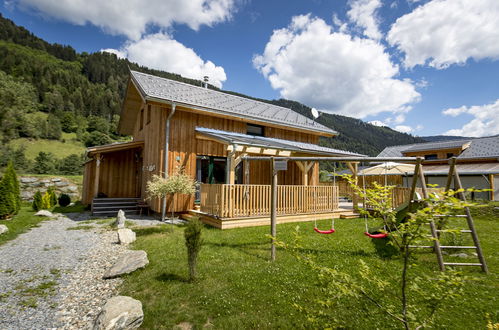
(126, 236)
(61, 183)
(120, 219)
(28, 180)
(72, 188)
(3, 229)
(56, 179)
(127, 263)
(119, 313)
(44, 213)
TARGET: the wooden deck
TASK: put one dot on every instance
(252, 221)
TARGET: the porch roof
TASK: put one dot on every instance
(114, 147)
(231, 138)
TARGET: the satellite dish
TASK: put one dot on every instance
(315, 113)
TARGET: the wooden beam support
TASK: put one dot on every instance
(98, 158)
(492, 187)
(354, 167)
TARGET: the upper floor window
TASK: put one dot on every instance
(450, 154)
(148, 113)
(141, 119)
(256, 130)
(430, 157)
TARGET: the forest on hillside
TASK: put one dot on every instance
(49, 90)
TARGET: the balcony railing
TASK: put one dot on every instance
(231, 201)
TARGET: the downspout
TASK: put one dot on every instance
(167, 149)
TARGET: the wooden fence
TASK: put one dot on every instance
(229, 201)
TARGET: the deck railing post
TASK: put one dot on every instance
(273, 209)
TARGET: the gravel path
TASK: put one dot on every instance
(51, 276)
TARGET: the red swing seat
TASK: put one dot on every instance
(326, 232)
(380, 235)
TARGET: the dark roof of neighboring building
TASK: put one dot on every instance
(153, 87)
(486, 147)
(462, 169)
(266, 142)
(454, 144)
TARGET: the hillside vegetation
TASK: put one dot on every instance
(49, 92)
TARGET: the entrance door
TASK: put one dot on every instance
(210, 169)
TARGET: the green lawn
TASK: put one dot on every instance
(21, 223)
(58, 148)
(239, 288)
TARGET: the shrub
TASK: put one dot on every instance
(193, 242)
(37, 201)
(64, 200)
(46, 201)
(71, 165)
(53, 197)
(10, 200)
(97, 138)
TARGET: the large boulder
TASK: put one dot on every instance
(120, 313)
(126, 236)
(44, 213)
(120, 219)
(126, 264)
(3, 229)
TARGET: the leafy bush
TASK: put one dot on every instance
(37, 201)
(193, 242)
(97, 138)
(64, 200)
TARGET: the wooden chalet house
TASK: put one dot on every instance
(207, 132)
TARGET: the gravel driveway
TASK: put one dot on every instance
(51, 276)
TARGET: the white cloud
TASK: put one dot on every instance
(445, 32)
(333, 71)
(160, 51)
(403, 128)
(131, 17)
(378, 123)
(363, 14)
(484, 123)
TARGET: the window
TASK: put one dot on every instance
(256, 130)
(430, 157)
(141, 119)
(450, 154)
(148, 113)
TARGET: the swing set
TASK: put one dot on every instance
(383, 234)
(413, 198)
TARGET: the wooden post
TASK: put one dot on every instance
(492, 187)
(273, 209)
(98, 158)
(353, 166)
(246, 172)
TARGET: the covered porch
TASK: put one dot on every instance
(245, 197)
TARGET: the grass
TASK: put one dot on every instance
(239, 288)
(57, 147)
(20, 223)
(76, 208)
(81, 227)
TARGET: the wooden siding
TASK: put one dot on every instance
(184, 147)
(119, 175)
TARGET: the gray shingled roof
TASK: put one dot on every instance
(463, 169)
(222, 103)
(437, 145)
(487, 147)
(265, 142)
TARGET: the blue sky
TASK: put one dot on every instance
(426, 67)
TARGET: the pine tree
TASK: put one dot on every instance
(53, 197)
(10, 200)
(37, 201)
